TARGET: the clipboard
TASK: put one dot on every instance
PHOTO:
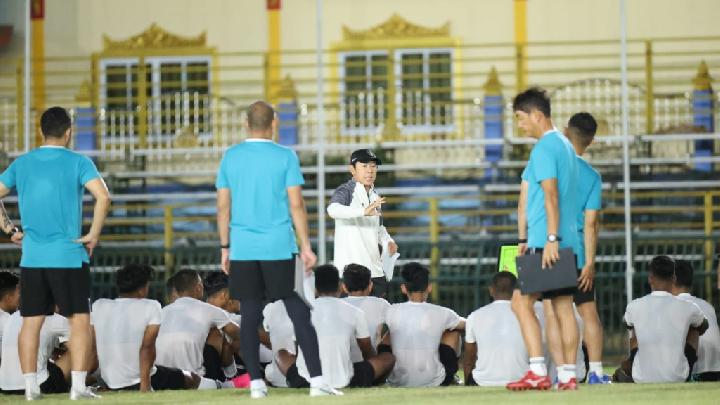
(532, 278)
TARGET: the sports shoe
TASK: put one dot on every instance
(241, 381)
(257, 393)
(86, 394)
(324, 390)
(530, 381)
(32, 395)
(568, 386)
(593, 378)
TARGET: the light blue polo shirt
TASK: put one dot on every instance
(589, 197)
(258, 173)
(50, 182)
(552, 157)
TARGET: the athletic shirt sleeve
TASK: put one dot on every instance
(361, 327)
(469, 330)
(696, 315)
(594, 201)
(543, 161)
(87, 170)
(94, 312)
(221, 179)
(8, 176)
(293, 176)
(452, 319)
(59, 326)
(217, 316)
(154, 312)
(628, 318)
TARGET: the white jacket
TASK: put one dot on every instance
(358, 238)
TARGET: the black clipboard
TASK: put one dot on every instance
(532, 278)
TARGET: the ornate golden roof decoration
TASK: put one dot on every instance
(703, 80)
(492, 85)
(396, 27)
(154, 37)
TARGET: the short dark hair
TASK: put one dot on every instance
(683, 274)
(133, 277)
(185, 280)
(215, 282)
(504, 283)
(662, 267)
(170, 285)
(356, 277)
(8, 283)
(582, 126)
(260, 116)
(416, 277)
(533, 98)
(55, 121)
(327, 279)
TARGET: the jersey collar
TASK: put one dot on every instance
(661, 294)
(258, 140)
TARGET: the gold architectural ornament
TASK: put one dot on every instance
(703, 80)
(396, 27)
(185, 138)
(287, 90)
(85, 93)
(154, 37)
(492, 85)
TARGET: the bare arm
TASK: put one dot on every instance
(299, 218)
(233, 331)
(366, 348)
(522, 216)
(469, 358)
(223, 226)
(147, 356)
(99, 191)
(552, 212)
(587, 276)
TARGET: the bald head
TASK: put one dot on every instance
(260, 116)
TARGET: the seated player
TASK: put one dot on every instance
(707, 366)
(357, 284)
(338, 325)
(664, 331)
(53, 377)
(281, 336)
(218, 354)
(494, 348)
(187, 323)
(425, 337)
(9, 298)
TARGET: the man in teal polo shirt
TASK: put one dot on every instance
(259, 199)
(54, 269)
(547, 221)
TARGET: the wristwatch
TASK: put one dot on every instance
(13, 231)
(552, 238)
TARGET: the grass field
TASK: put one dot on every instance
(696, 393)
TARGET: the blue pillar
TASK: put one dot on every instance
(85, 136)
(287, 109)
(493, 106)
(702, 106)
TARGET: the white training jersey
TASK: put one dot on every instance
(4, 317)
(661, 323)
(186, 324)
(277, 323)
(54, 328)
(709, 346)
(337, 324)
(375, 310)
(580, 369)
(119, 330)
(415, 332)
(501, 354)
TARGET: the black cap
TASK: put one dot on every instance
(364, 156)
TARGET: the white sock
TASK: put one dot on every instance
(558, 371)
(538, 367)
(230, 371)
(31, 384)
(316, 381)
(78, 380)
(207, 384)
(258, 384)
(568, 372)
(597, 368)
(227, 384)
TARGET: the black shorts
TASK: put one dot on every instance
(269, 280)
(55, 383)
(294, 379)
(165, 378)
(363, 375)
(41, 289)
(581, 297)
(449, 360)
(380, 287)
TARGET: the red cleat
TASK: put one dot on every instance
(242, 381)
(568, 386)
(530, 381)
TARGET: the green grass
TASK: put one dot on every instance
(695, 393)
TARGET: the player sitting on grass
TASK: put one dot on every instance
(9, 297)
(125, 331)
(338, 325)
(425, 337)
(186, 325)
(664, 331)
(494, 348)
(707, 366)
(279, 329)
(357, 284)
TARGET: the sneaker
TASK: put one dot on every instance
(324, 390)
(530, 381)
(32, 395)
(241, 381)
(257, 393)
(568, 386)
(593, 378)
(86, 394)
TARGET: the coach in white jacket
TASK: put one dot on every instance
(356, 209)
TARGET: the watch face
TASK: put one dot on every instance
(552, 238)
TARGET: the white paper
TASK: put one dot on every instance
(388, 262)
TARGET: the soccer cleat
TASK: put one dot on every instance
(324, 390)
(241, 381)
(32, 395)
(568, 386)
(85, 394)
(257, 393)
(593, 378)
(530, 381)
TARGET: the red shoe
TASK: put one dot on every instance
(568, 386)
(530, 381)
(242, 381)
